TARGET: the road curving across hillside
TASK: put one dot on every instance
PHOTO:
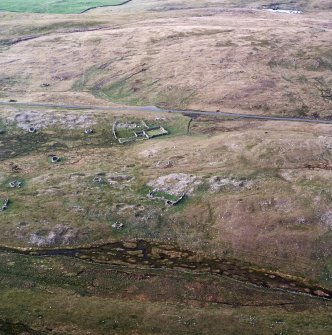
(161, 110)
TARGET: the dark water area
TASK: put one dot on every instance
(10, 328)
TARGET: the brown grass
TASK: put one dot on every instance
(193, 54)
(277, 221)
(253, 61)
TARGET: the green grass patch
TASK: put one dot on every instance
(54, 6)
(177, 126)
(18, 142)
(120, 91)
(155, 132)
(2, 127)
(317, 187)
(165, 195)
(82, 83)
(124, 133)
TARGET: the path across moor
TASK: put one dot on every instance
(161, 110)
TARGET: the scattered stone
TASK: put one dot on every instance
(124, 125)
(77, 208)
(155, 194)
(55, 159)
(119, 177)
(266, 203)
(117, 225)
(43, 119)
(164, 164)
(176, 183)
(15, 184)
(321, 293)
(133, 209)
(286, 206)
(76, 175)
(301, 220)
(148, 153)
(4, 205)
(119, 181)
(60, 234)
(32, 130)
(326, 218)
(217, 183)
(176, 202)
(15, 168)
(98, 179)
(287, 11)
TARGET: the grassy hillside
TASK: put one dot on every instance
(97, 242)
(258, 191)
(66, 296)
(223, 165)
(206, 59)
(54, 6)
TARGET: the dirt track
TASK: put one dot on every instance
(160, 110)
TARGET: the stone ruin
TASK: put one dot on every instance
(32, 130)
(139, 131)
(117, 225)
(176, 185)
(59, 234)
(287, 11)
(98, 179)
(15, 184)
(154, 195)
(54, 158)
(218, 183)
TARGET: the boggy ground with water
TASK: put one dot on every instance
(7, 327)
(146, 287)
(160, 255)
